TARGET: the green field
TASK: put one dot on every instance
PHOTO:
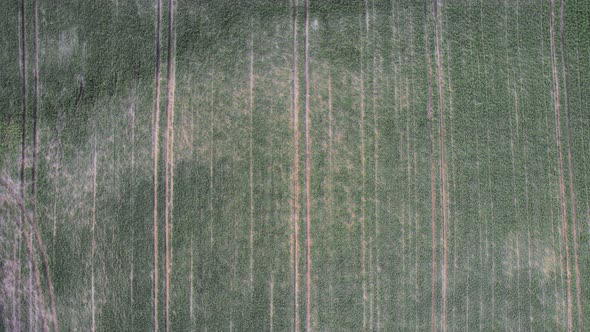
(326, 165)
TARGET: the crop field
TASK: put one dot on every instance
(295, 165)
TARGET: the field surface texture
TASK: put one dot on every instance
(295, 165)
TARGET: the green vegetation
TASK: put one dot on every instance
(386, 165)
